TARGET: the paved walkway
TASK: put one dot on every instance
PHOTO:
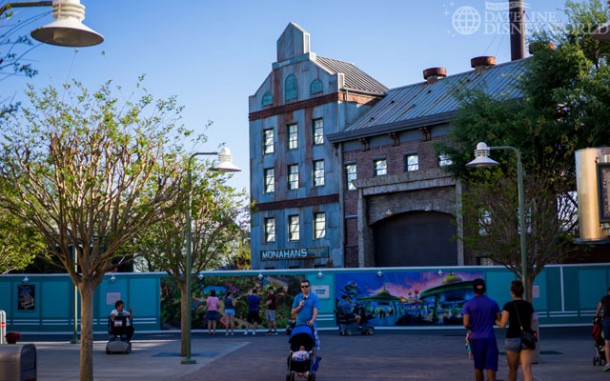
(566, 354)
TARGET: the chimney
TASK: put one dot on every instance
(482, 62)
(434, 74)
(516, 17)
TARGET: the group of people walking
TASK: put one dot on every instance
(304, 310)
(481, 314)
(253, 318)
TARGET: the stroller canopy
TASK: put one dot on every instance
(302, 335)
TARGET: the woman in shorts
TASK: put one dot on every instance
(517, 313)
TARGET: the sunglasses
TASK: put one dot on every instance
(304, 286)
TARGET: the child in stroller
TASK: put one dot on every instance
(120, 328)
(598, 336)
(302, 361)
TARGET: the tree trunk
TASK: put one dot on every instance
(87, 290)
(186, 301)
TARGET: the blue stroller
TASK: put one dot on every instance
(302, 360)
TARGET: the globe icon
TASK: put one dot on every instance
(466, 20)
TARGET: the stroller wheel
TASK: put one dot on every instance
(371, 331)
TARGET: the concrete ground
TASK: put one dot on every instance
(566, 354)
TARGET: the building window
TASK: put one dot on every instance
(411, 163)
(293, 176)
(318, 173)
(268, 141)
(318, 131)
(316, 86)
(269, 180)
(293, 228)
(267, 99)
(293, 136)
(269, 229)
(444, 161)
(319, 225)
(290, 87)
(381, 167)
(350, 175)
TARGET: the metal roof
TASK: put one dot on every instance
(355, 79)
(425, 103)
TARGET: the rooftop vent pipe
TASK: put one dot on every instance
(482, 62)
(434, 74)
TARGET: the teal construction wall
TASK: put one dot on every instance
(563, 295)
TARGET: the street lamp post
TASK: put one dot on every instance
(482, 160)
(67, 29)
(225, 165)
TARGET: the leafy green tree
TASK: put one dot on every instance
(86, 170)
(218, 215)
(19, 243)
(563, 108)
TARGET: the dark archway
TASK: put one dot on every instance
(416, 239)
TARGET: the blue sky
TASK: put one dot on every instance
(214, 54)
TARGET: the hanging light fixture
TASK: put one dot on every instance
(68, 29)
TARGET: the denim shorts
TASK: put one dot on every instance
(514, 344)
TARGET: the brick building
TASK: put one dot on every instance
(344, 172)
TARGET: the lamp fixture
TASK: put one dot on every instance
(26, 279)
(67, 29)
(320, 275)
(260, 276)
(379, 274)
(112, 278)
(439, 273)
(226, 161)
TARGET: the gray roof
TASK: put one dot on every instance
(424, 104)
(355, 79)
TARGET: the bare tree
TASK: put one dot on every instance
(90, 173)
(490, 223)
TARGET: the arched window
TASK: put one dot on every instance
(315, 87)
(267, 99)
(290, 87)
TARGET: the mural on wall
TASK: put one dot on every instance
(26, 299)
(285, 286)
(409, 298)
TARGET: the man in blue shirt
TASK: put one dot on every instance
(306, 306)
(480, 313)
(347, 307)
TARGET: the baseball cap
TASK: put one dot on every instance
(478, 285)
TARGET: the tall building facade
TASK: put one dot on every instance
(345, 173)
(296, 177)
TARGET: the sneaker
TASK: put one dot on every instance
(226, 333)
(253, 333)
(607, 368)
(246, 333)
(275, 333)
